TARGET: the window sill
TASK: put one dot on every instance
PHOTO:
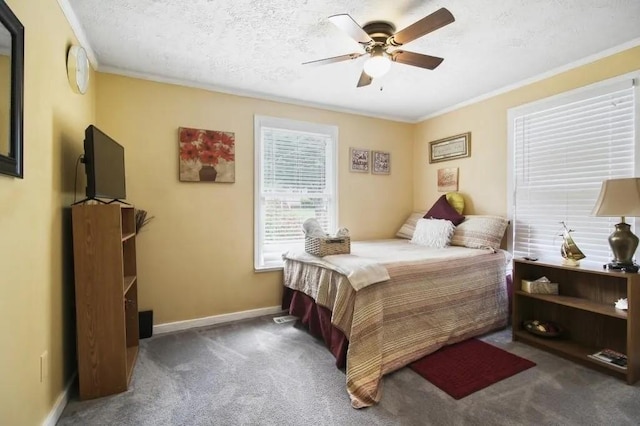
(268, 269)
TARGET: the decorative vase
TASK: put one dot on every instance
(208, 174)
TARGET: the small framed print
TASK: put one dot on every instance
(458, 146)
(358, 160)
(381, 163)
(448, 179)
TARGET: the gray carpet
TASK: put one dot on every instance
(257, 372)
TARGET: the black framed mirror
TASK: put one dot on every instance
(11, 92)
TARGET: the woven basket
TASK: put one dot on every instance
(324, 246)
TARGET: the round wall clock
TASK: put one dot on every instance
(78, 69)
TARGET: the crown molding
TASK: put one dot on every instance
(592, 58)
(78, 31)
(246, 93)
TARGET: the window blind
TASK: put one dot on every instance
(562, 153)
(296, 181)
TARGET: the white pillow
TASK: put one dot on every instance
(434, 233)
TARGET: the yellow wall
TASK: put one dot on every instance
(483, 176)
(35, 270)
(196, 258)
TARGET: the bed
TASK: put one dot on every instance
(431, 297)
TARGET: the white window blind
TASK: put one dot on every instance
(295, 180)
(562, 151)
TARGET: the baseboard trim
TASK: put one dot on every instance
(61, 402)
(216, 319)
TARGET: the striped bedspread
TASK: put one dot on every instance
(361, 271)
(434, 297)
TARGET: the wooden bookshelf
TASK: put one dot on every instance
(584, 308)
(106, 297)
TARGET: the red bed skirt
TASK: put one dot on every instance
(317, 319)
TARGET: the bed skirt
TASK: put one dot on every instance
(317, 320)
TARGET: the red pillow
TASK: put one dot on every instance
(443, 210)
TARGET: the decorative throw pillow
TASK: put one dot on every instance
(409, 226)
(456, 200)
(434, 233)
(478, 231)
(443, 210)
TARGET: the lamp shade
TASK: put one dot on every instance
(618, 197)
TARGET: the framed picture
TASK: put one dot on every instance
(448, 179)
(206, 155)
(381, 162)
(458, 146)
(358, 160)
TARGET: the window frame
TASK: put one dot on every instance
(260, 122)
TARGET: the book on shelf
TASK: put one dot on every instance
(612, 357)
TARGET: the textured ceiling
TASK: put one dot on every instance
(256, 47)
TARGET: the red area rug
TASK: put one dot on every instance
(466, 367)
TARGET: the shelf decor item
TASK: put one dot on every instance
(620, 198)
(543, 328)
(622, 304)
(142, 219)
(570, 252)
(539, 286)
(610, 357)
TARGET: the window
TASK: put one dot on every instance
(295, 179)
(562, 148)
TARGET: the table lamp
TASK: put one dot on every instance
(620, 197)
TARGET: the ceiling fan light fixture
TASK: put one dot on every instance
(377, 66)
(377, 36)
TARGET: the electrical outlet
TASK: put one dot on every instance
(44, 366)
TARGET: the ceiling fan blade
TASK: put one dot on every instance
(334, 59)
(416, 59)
(437, 19)
(365, 79)
(347, 24)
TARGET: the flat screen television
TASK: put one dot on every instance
(104, 165)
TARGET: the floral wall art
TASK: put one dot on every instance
(207, 155)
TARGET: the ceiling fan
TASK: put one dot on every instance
(379, 36)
